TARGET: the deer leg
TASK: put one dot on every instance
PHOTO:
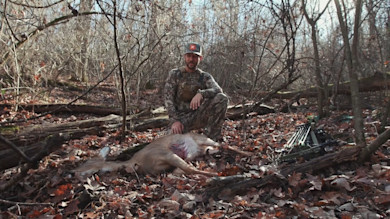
(176, 161)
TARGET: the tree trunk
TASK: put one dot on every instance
(83, 30)
(387, 42)
(372, 48)
(321, 89)
(353, 68)
(381, 139)
(386, 109)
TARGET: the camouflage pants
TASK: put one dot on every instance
(210, 116)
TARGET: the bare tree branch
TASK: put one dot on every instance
(36, 6)
(6, 20)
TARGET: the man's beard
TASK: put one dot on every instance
(193, 64)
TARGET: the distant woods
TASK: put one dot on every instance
(250, 47)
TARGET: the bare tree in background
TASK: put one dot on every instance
(386, 68)
(351, 52)
(82, 35)
(387, 41)
(371, 47)
(288, 14)
(322, 90)
(114, 23)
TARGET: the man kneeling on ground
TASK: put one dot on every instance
(193, 98)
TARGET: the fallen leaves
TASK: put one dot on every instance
(334, 193)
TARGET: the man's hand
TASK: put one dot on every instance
(196, 101)
(177, 127)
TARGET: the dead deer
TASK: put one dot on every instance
(171, 151)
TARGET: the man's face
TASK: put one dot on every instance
(192, 60)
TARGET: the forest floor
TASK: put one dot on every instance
(348, 190)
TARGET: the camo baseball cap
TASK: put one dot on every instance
(193, 48)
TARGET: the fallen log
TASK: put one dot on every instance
(14, 148)
(377, 82)
(66, 108)
(30, 139)
(9, 158)
(43, 148)
(226, 188)
(233, 112)
(243, 111)
(32, 134)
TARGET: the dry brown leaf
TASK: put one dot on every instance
(315, 181)
(331, 198)
(294, 179)
(169, 204)
(342, 183)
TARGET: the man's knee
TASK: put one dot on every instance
(221, 98)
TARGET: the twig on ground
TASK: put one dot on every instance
(24, 203)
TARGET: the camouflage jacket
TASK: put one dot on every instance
(181, 87)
